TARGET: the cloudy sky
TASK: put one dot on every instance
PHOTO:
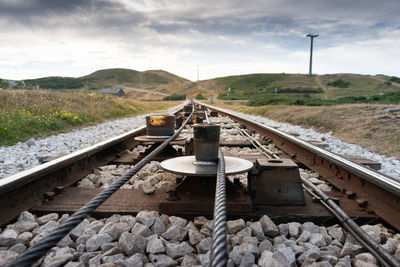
(225, 37)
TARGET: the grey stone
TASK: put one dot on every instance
(177, 221)
(108, 245)
(311, 227)
(195, 236)
(129, 219)
(115, 229)
(257, 230)
(265, 245)
(397, 254)
(304, 236)
(8, 238)
(200, 221)
(285, 256)
(141, 229)
(74, 264)
(329, 258)
(26, 216)
(79, 229)
(176, 250)
(204, 259)
(250, 239)
(350, 249)
(175, 233)
(344, 262)
(94, 226)
(155, 246)
(235, 226)
(247, 260)
(95, 242)
(238, 238)
(205, 231)
(158, 227)
(6, 257)
(57, 260)
(46, 228)
(23, 226)
(298, 250)
(113, 258)
(112, 251)
(309, 254)
(308, 246)
(133, 261)
(151, 237)
(268, 226)
(333, 250)
(85, 257)
(238, 252)
(162, 260)
(337, 243)
(113, 219)
(130, 244)
(320, 264)
(47, 218)
(81, 248)
(147, 217)
(318, 240)
(279, 239)
(391, 110)
(95, 261)
(336, 233)
(374, 231)
(294, 229)
(266, 259)
(365, 260)
(391, 245)
(190, 260)
(84, 237)
(66, 241)
(324, 232)
(204, 245)
(283, 229)
(19, 248)
(24, 238)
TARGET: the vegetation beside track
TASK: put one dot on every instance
(32, 113)
(367, 125)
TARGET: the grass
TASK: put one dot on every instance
(32, 113)
(353, 123)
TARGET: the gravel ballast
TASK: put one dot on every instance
(151, 239)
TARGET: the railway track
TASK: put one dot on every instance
(100, 181)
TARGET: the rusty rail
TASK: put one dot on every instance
(372, 190)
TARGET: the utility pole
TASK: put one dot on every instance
(311, 48)
(198, 72)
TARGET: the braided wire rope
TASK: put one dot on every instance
(34, 253)
(218, 254)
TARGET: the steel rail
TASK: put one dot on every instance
(218, 252)
(34, 253)
(373, 190)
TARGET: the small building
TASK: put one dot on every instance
(113, 91)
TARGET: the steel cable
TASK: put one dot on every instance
(218, 253)
(34, 253)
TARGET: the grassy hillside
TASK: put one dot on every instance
(130, 78)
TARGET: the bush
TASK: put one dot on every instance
(174, 97)
(200, 97)
(395, 79)
(339, 83)
(4, 84)
(55, 83)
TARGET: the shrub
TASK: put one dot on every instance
(395, 79)
(174, 97)
(200, 97)
(339, 83)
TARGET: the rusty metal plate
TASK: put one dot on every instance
(186, 166)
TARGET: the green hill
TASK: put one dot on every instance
(130, 78)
